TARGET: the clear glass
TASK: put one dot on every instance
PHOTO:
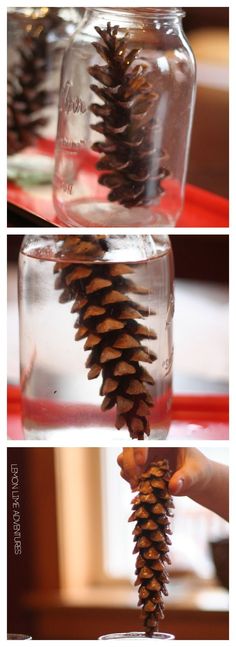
(137, 636)
(58, 399)
(144, 121)
(18, 637)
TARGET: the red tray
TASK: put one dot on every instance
(194, 417)
(201, 208)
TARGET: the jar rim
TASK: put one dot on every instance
(147, 12)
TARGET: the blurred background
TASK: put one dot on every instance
(201, 313)
(74, 577)
(207, 30)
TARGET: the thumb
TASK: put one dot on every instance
(182, 481)
(140, 455)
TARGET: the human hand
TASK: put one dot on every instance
(191, 470)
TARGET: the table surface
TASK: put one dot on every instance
(194, 417)
(187, 593)
(201, 208)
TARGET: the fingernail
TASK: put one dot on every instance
(179, 486)
(139, 458)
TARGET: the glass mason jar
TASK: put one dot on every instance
(125, 115)
(18, 637)
(137, 636)
(36, 41)
(111, 374)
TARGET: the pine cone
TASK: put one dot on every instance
(152, 509)
(107, 321)
(26, 96)
(135, 165)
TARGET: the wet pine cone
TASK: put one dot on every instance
(110, 321)
(25, 96)
(133, 165)
(26, 93)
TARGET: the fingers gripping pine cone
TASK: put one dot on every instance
(152, 508)
(134, 164)
(111, 322)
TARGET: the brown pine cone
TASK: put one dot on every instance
(26, 96)
(109, 321)
(152, 508)
(134, 165)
